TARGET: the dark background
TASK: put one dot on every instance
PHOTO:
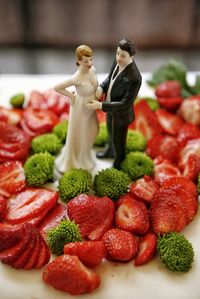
(40, 36)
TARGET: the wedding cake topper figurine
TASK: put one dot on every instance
(121, 88)
(83, 123)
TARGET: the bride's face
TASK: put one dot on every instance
(86, 62)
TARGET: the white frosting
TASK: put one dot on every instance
(118, 280)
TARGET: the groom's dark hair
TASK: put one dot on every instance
(127, 46)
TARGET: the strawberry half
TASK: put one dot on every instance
(67, 274)
(190, 110)
(147, 249)
(188, 132)
(120, 245)
(192, 167)
(12, 178)
(163, 145)
(164, 169)
(94, 215)
(132, 215)
(144, 188)
(168, 89)
(146, 120)
(90, 253)
(170, 123)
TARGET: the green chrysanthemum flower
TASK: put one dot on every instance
(102, 136)
(39, 169)
(135, 141)
(17, 100)
(46, 143)
(176, 252)
(67, 231)
(111, 182)
(61, 130)
(137, 164)
(74, 182)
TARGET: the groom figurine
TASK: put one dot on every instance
(121, 88)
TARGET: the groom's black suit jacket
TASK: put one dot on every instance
(123, 93)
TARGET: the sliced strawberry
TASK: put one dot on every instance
(164, 169)
(120, 245)
(90, 253)
(56, 102)
(146, 120)
(171, 103)
(144, 188)
(14, 144)
(10, 255)
(188, 132)
(32, 260)
(192, 167)
(186, 190)
(39, 121)
(3, 207)
(170, 123)
(147, 249)
(29, 204)
(26, 254)
(12, 178)
(52, 218)
(66, 273)
(37, 100)
(190, 110)
(163, 145)
(9, 235)
(94, 215)
(168, 89)
(132, 216)
(44, 254)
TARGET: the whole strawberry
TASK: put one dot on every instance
(120, 245)
(94, 215)
(66, 273)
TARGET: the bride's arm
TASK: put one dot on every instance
(61, 88)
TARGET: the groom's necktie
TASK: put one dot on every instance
(115, 73)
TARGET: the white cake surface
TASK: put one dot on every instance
(118, 280)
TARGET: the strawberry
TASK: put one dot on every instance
(43, 256)
(170, 123)
(94, 215)
(146, 120)
(164, 169)
(38, 121)
(167, 212)
(132, 216)
(191, 147)
(56, 102)
(10, 116)
(147, 249)
(90, 253)
(163, 145)
(12, 178)
(144, 188)
(186, 190)
(37, 100)
(3, 207)
(67, 274)
(171, 103)
(120, 245)
(168, 89)
(29, 204)
(188, 132)
(189, 110)
(192, 167)
(52, 218)
(31, 262)
(14, 144)
(101, 116)
(9, 235)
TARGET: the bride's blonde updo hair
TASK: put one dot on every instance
(81, 51)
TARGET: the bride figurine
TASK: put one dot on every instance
(83, 124)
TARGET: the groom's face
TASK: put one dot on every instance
(122, 57)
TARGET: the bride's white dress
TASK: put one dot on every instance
(82, 129)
